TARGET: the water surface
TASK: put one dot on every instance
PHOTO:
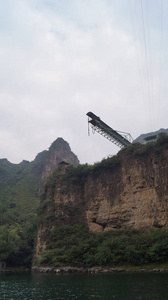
(84, 286)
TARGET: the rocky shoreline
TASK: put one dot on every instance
(69, 269)
(80, 270)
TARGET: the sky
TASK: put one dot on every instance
(62, 59)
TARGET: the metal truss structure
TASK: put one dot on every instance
(121, 140)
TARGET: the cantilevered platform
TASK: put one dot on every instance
(118, 139)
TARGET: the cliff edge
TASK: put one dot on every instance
(129, 190)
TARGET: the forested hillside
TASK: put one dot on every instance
(20, 188)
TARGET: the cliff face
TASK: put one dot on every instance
(133, 195)
(59, 151)
(132, 191)
(20, 183)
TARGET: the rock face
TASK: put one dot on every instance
(20, 184)
(59, 151)
(131, 193)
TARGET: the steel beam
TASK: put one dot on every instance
(106, 131)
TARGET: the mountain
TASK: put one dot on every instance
(84, 212)
(150, 136)
(20, 183)
(20, 186)
(59, 151)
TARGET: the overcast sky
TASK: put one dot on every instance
(60, 59)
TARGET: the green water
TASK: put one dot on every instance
(102, 286)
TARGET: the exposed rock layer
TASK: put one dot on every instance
(133, 193)
(59, 151)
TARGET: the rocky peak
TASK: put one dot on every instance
(59, 151)
(4, 161)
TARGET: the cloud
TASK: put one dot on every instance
(59, 60)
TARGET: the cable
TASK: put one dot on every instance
(147, 63)
(136, 32)
(161, 59)
(140, 14)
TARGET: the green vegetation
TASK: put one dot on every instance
(18, 204)
(76, 245)
(157, 147)
(17, 243)
(80, 173)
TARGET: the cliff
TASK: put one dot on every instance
(59, 151)
(126, 191)
(20, 185)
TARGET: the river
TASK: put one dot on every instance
(27, 286)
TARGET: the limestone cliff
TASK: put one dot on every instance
(20, 183)
(59, 151)
(130, 190)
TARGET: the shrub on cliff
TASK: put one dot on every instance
(76, 245)
(156, 146)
